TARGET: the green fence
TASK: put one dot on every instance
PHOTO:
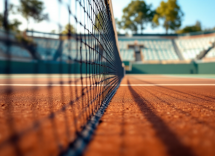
(190, 68)
(75, 68)
(16, 67)
(206, 68)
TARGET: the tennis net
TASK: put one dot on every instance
(57, 76)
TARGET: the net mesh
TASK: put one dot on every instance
(53, 83)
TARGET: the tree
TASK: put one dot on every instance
(1, 20)
(12, 24)
(53, 31)
(188, 29)
(100, 22)
(209, 29)
(118, 25)
(171, 13)
(136, 16)
(32, 9)
(69, 29)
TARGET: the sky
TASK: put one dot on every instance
(201, 10)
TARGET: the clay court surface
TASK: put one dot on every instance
(158, 120)
(152, 115)
(37, 116)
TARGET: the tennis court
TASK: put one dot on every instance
(46, 114)
(158, 115)
(149, 115)
(56, 82)
(64, 92)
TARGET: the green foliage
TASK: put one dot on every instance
(13, 24)
(53, 31)
(28, 9)
(99, 23)
(209, 29)
(135, 16)
(170, 12)
(69, 29)
(1, 20)
(118, 25)
(32, 9)
(189, 29)
(25, 40)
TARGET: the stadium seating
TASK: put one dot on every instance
(190, 48)
(163, 49)
(127, 55)
(159, 50)
(9, 35)
(154, 49)
(47, 48)
(211, 53)
(14, 51)
(71, 50)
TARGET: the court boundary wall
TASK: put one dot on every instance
(180, 68)
(17, 67)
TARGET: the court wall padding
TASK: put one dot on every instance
(206, 68)
(186, 68)
(37, 67)
(17, 67)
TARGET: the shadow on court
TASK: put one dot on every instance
(169, 139)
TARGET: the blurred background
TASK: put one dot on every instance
(62, 61)
(150, 32)
(193, 11)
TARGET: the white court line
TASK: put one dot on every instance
(44, 85)
(85, 85)
(189, 77)
(145, 85)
